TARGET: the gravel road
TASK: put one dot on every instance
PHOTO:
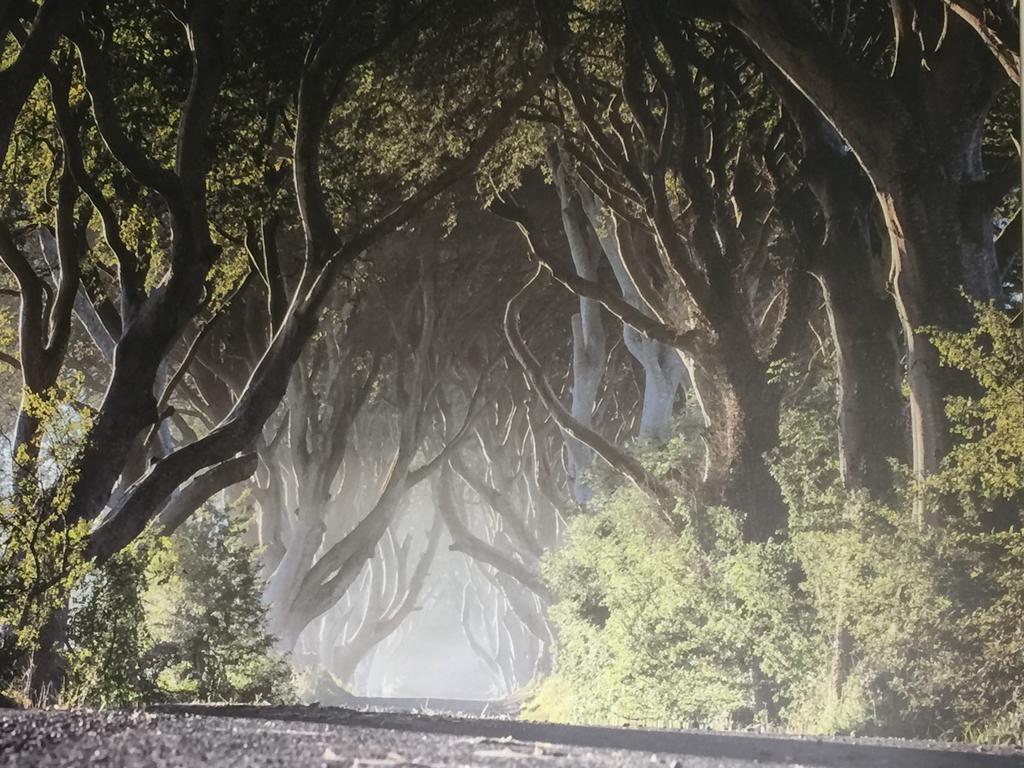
(250, 737)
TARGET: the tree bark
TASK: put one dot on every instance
(918, 137)
(741, 410)
(588, 334)
(861, 315)
(663, 367)
(870, 405)
(19, 78)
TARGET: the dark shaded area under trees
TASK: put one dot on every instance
(671, 350)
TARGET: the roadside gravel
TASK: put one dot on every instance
(54, 739)
(300, 737)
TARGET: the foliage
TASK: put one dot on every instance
(988, 463)
(863, 619)
(682, 630)
(108, 636)
(40, 550)
(209, 620)
(984, 473)
(550, 700)
(179, 619)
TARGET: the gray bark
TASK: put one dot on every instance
(663, 366)
(588, 335)
(918, 137)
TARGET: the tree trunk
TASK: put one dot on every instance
(588, 363)
(128, 408)
(285, 582)
(942, 247)
(47, 671)
(663, 367)
(861, 315)
(741, 413)
(588, 335)
(864, 328)
(663, 373)
(870, 404)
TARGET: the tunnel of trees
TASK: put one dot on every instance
(642, 361)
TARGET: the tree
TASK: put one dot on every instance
(695, 244)
(211, 621)
(916, 127)
(842, 253)
(165, 278)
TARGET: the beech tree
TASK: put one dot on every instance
(163, 278)
(695, 237)
(625, 313)
(914, 117)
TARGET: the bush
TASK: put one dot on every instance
(861, 620)
(179, 620)
(209, 618)
(668, 630)
(549, 700)
(988, 462)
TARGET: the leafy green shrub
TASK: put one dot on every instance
(209, 620)
(863, 619)
(988, 462)
(180, 619)
(662, 629)
(984, 475)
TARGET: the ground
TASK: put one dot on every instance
(250, 737)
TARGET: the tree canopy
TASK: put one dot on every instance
(671, 350)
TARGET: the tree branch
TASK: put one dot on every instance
(616, 305)
(658, 490)
(200, 489)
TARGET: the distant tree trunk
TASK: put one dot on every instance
(588, 335)
(271, 503)
(660, 491)
(387, 616)
(663, 373)
(286, 581)
(663, 367)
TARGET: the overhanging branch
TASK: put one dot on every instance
(657, 489)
